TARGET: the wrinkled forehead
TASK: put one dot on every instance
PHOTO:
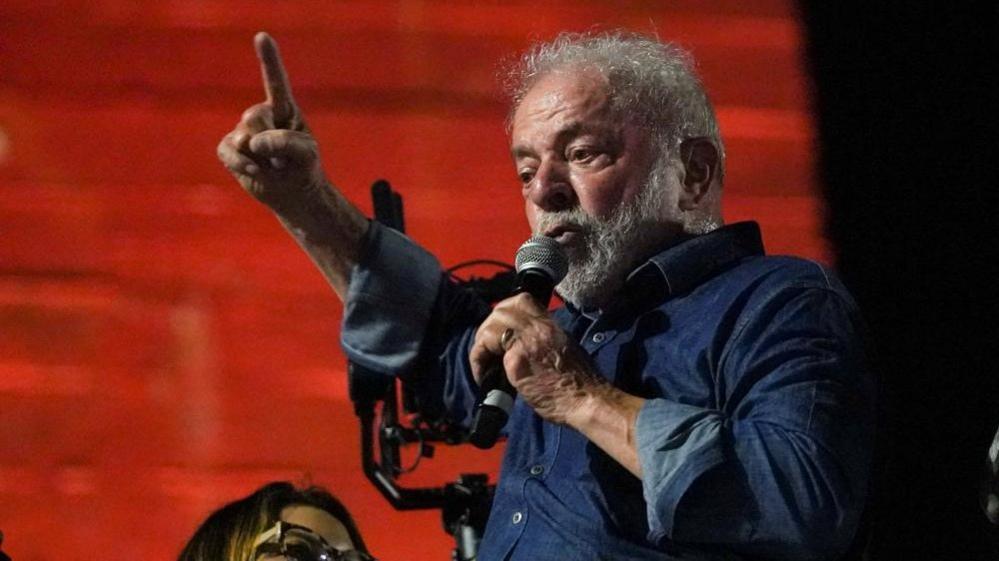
(562, 95)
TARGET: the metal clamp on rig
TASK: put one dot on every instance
(464, 504)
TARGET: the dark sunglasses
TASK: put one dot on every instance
(298, 543)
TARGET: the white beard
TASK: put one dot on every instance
(607, 250)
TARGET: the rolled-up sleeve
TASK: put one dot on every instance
(404, 317)
(780, 469)
(389, 304)
(676, 444)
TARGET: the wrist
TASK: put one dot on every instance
(605, 409)
(330, 230)
(322, 215)
(608, 419)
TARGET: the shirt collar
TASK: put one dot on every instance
(684, 265)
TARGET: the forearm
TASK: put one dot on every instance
(760, 489)
(735, 479)
(684, 451)
(331, 231)
(403, 317)
(607, 418)
(785, 479)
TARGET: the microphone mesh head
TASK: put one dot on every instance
(544, 253)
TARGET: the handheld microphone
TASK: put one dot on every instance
(541, 264)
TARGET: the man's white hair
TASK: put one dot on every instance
(651, 83)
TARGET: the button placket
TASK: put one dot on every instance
(596, 336)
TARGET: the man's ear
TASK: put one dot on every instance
(700, 163)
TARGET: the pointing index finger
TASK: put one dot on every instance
(275, 79)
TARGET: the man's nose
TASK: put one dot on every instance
(552, 189)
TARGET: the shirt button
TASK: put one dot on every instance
(517, 517)
(537, 470)
(599, 337)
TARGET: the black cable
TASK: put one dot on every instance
(474, 262)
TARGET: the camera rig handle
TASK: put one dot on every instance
(465, 503)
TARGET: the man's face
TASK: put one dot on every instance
(571, 151)
(591, 182)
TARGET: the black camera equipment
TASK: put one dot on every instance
(465, 503)
(3, 556)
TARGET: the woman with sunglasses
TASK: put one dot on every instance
(279, 522)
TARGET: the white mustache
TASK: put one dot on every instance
(575, 219)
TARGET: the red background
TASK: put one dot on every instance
(164, 345)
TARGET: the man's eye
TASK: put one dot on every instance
(526, 176)
(582, 155)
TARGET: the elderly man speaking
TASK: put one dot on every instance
(693, 399)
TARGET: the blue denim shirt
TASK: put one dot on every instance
(756, 437)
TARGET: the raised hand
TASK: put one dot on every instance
(275, 158)
(271, 151)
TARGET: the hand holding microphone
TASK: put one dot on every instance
(541, 264)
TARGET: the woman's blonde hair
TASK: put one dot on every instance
(229, 532)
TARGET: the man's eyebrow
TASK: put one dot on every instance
(521, 151)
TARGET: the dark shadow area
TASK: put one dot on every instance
(905, 102)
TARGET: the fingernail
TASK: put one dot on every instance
(251, 169)
(277, 163)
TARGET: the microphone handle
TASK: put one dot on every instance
(497, 393)
(493, 411)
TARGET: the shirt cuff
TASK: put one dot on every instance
(391, 295)
(676, 444)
